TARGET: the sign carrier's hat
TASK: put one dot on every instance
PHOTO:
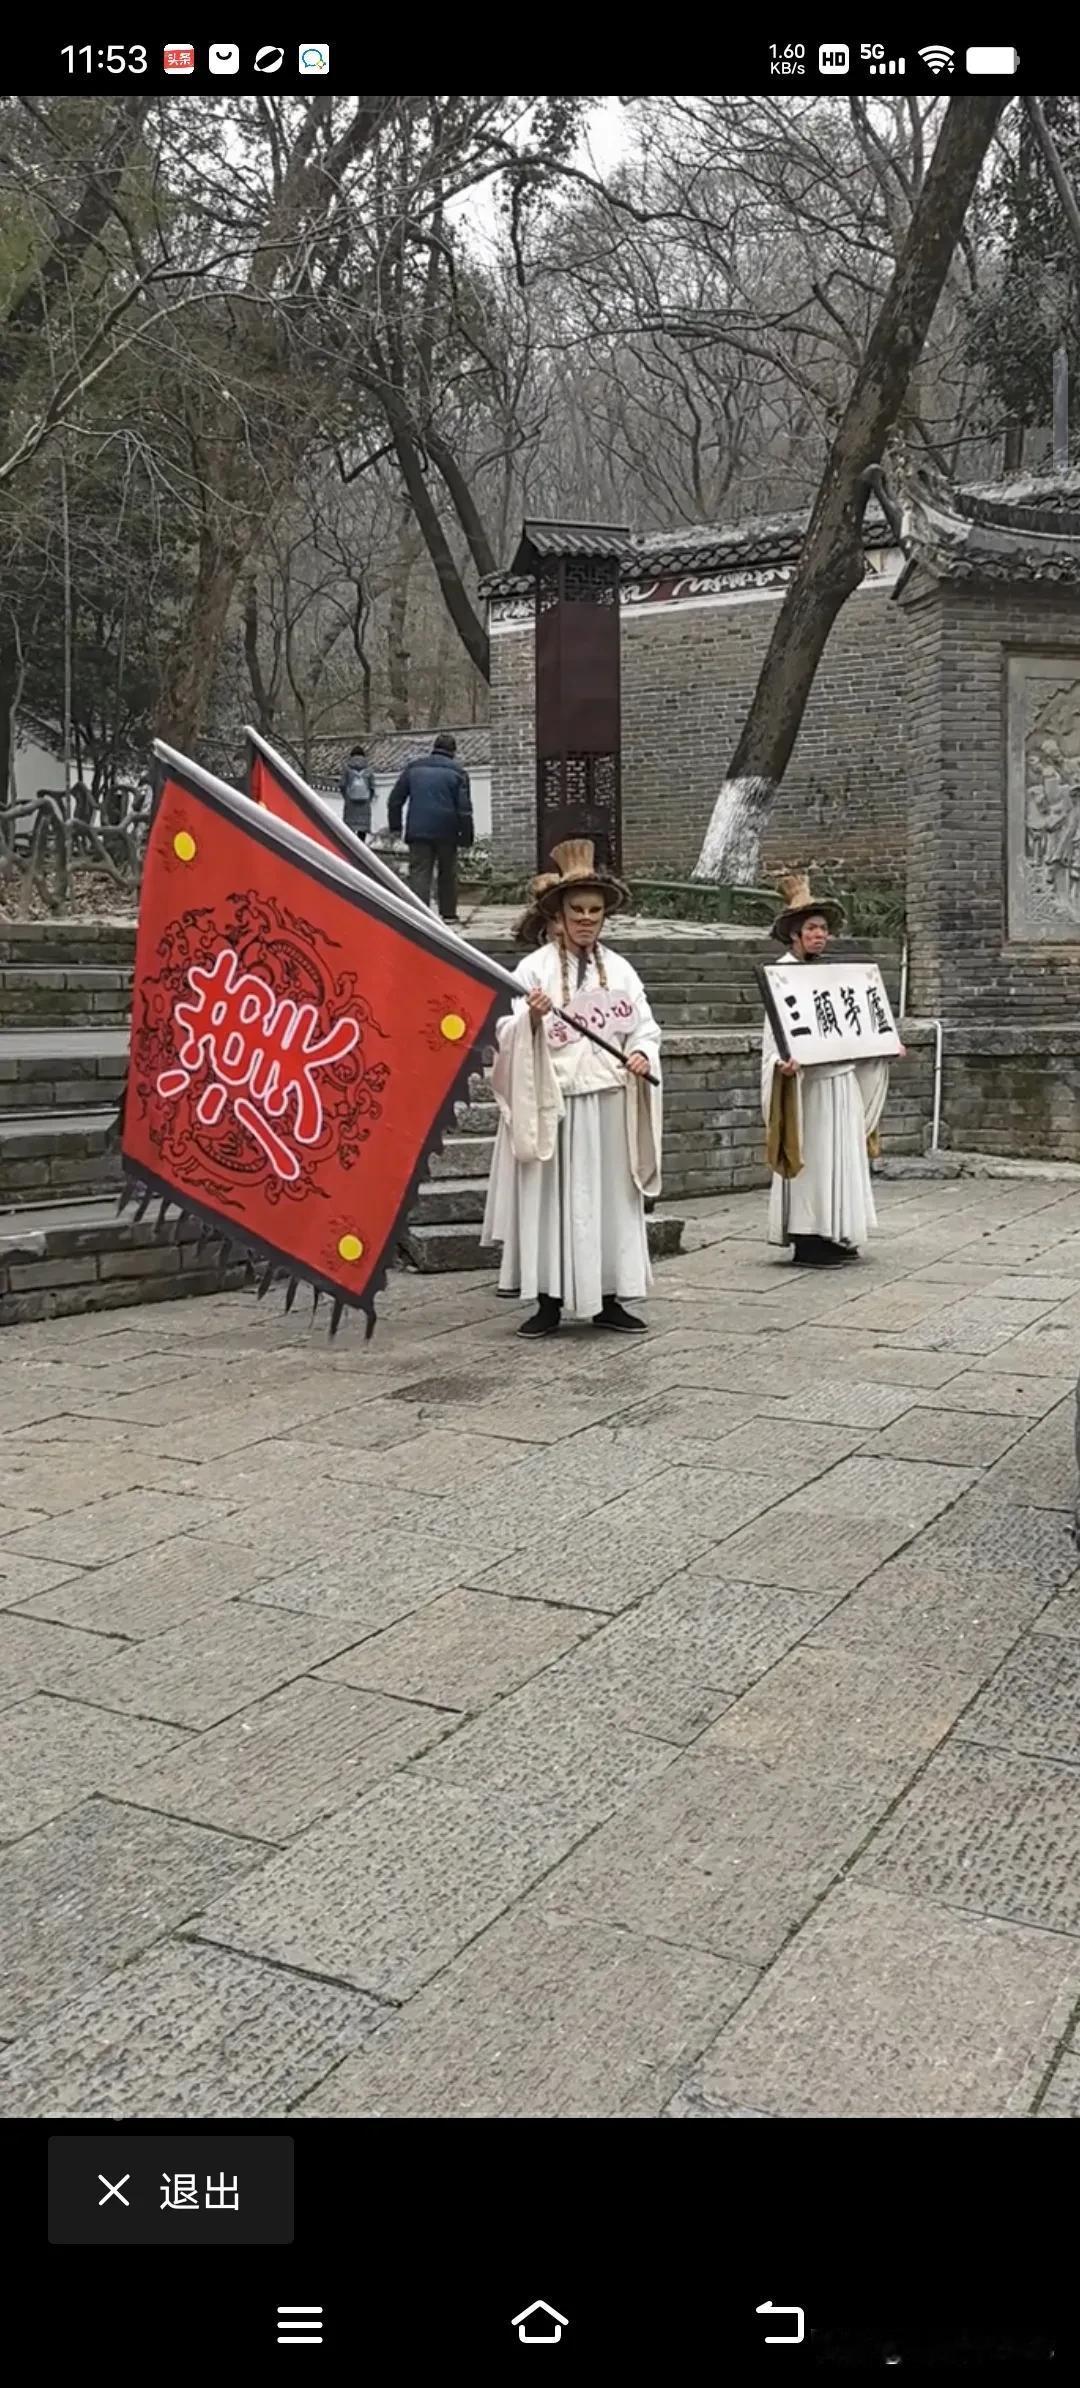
(799, 904)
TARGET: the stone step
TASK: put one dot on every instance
(462, 1156)
(65, 998)
(59, 1261)
(42, 1069)
(449, 1200)
(58, 1155)
(479, 1118)
(438, 1246)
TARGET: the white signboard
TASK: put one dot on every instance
(607, 1012)
(829, 1011)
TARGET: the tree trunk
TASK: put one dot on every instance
(193, 657)
(831, 563)
(397, 659)
(10, 683)
(462, 612)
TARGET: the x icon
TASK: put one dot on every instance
(113, 2188)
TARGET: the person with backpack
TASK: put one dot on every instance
(439, 819)
(358, 789)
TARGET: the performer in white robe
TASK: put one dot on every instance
(821, 1123)
(579, 1142)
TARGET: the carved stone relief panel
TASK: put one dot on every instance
(1043, 799)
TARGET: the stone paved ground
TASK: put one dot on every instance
(457, 1727)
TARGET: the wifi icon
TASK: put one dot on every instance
(937, 58)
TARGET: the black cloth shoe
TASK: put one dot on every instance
(546, 1318)
(620, 1321)
(816, 1252)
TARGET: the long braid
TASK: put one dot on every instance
(564, 967)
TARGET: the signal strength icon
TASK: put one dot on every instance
(937, 58)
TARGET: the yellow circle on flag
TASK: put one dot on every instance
(452, 1028)
(184, 845)
(351, 1248)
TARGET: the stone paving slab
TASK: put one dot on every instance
(908, 1490)
(242, 1652)
(51, 1481)
(541, 1746)
(444, 1462)
(25, 1579)
(462, 1649)
(545, 2015)
(189, 2031)
(1041, 1470)
(671, 1666)
(723, 1853)
(36, 1657)
(287, 1760)
(840, 1401)
(151, 1590)
(366, 1589)
(809, 1552)
(954, 1438)
(947, 1615)
(887, 2006)
(54, 1751)
(857, 1715)
(640, 1547)
(1062, 1614)
(13, 1520)
(1035, 1542)
(988, 1831)
(94, 1889)
(1061, 2097)
(1033, 1703)
(1006, 1395)
(385, 1893)
(110, 1528)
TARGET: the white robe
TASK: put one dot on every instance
(578, 1147)
(838, 1106)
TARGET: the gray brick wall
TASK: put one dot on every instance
(688, 674)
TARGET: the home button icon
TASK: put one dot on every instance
(538, 2325)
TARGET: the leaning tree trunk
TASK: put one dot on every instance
(831, 563)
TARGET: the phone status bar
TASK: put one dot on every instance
(877, 68)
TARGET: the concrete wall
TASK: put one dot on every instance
(689, 671)
(479, 782)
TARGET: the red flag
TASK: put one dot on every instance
(296, 1044)
(272, 781)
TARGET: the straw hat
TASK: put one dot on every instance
(799, 903)
(576, 869)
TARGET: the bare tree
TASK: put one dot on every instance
(830, 565)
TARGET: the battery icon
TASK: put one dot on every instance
(991, 62)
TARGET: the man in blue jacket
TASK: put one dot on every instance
(439, 820)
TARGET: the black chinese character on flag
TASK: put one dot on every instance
(850, 999)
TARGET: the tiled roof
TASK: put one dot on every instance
(605, 539)
(1027, 529)
(390, 750)
(712, 548)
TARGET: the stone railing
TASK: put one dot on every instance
(48, 838)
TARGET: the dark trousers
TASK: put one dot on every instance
(425, 856)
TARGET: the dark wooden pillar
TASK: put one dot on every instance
(577, 571)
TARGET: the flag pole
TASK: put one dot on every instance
(367, 859)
